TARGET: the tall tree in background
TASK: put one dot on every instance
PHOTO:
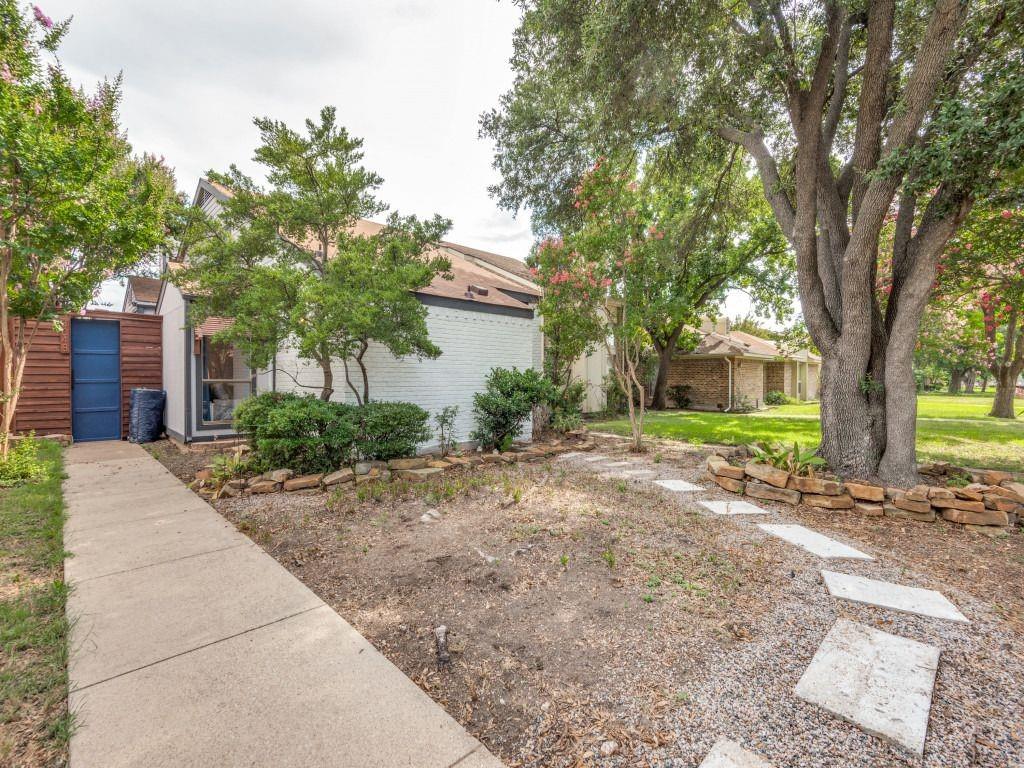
(76, 207)
(986, 259)
(852, 113)
(952, 341)
(290, 266)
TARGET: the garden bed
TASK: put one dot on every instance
(601, 622)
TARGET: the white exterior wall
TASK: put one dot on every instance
(471, 344)
(592, 369)
(172, 308)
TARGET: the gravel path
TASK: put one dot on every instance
(746, 692)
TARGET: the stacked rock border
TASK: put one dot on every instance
(412, 469)
(991, 499)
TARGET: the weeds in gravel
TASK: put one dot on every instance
(621, 486)
(609, 558)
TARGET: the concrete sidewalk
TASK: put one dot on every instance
(193, 647)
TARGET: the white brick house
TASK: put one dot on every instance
(491, 324)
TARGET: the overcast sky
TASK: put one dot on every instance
(410, 77)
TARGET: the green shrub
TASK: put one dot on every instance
(777, 398)
(302, 433)
(22, 463)
(506, 403)
(307, 435)
(390, 430)
(680, 395)
(566, 405)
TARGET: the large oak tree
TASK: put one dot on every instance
(854, 112)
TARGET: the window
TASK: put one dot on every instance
(226, 381)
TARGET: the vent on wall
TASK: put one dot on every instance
(477, 290)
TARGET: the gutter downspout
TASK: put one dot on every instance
(729, 406)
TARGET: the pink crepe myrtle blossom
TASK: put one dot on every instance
(5, 73)
(1006, 214)
(41, 17)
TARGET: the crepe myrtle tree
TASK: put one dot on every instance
(76, 207)
(986, 259)
(710, 232)
(850, 110)
(287, 263)
(602, 279)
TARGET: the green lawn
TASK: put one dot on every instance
(951, 428)
(34, 721)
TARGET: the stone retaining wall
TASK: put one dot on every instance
(992, 499)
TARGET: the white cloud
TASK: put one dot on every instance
(410, 78)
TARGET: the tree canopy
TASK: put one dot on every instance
(852, 112)
(293, 262)
(76, 206)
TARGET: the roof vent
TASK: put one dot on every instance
(479, 290)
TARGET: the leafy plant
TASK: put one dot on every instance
(609, 558)
(797, 461)
(680, 395)
(22, 464)
(506, 403)
(389, 430)
(777, 398)
(445, 421)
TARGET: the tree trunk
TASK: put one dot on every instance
(969, 380)
(984, 381)
(955, 381)
(328, 388)
(849, 440)
(659, 397)
(1006, 390)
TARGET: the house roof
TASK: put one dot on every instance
(506, 263)
(470, 282)
(144, 290)
(743, 344)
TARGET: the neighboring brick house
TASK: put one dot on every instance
(729, 369)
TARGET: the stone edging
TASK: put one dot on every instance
(413, 469)
(998, 502)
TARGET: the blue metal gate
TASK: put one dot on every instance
(95, 379)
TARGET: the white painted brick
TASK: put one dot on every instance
(471, 344)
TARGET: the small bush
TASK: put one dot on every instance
(22, 464)
(742, 404)
(506, 403)
(566, 405)
(777, 398)
(302, 433)
(445, 421)
(390, 430)
(680, 395)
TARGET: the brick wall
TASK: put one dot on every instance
(708, 380)
(748, 381)
(774, 377)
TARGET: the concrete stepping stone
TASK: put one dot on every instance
(729, 754)
(733, 508)
(595, 457)
(627, 474)
(679, 486)
(569, 455)
(618, 464)
(884, 594)
(814, 542)
(879, 682)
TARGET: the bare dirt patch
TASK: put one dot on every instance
(607, 622)
(573, 604)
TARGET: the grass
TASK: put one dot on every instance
(954, 428)
(35, 724)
